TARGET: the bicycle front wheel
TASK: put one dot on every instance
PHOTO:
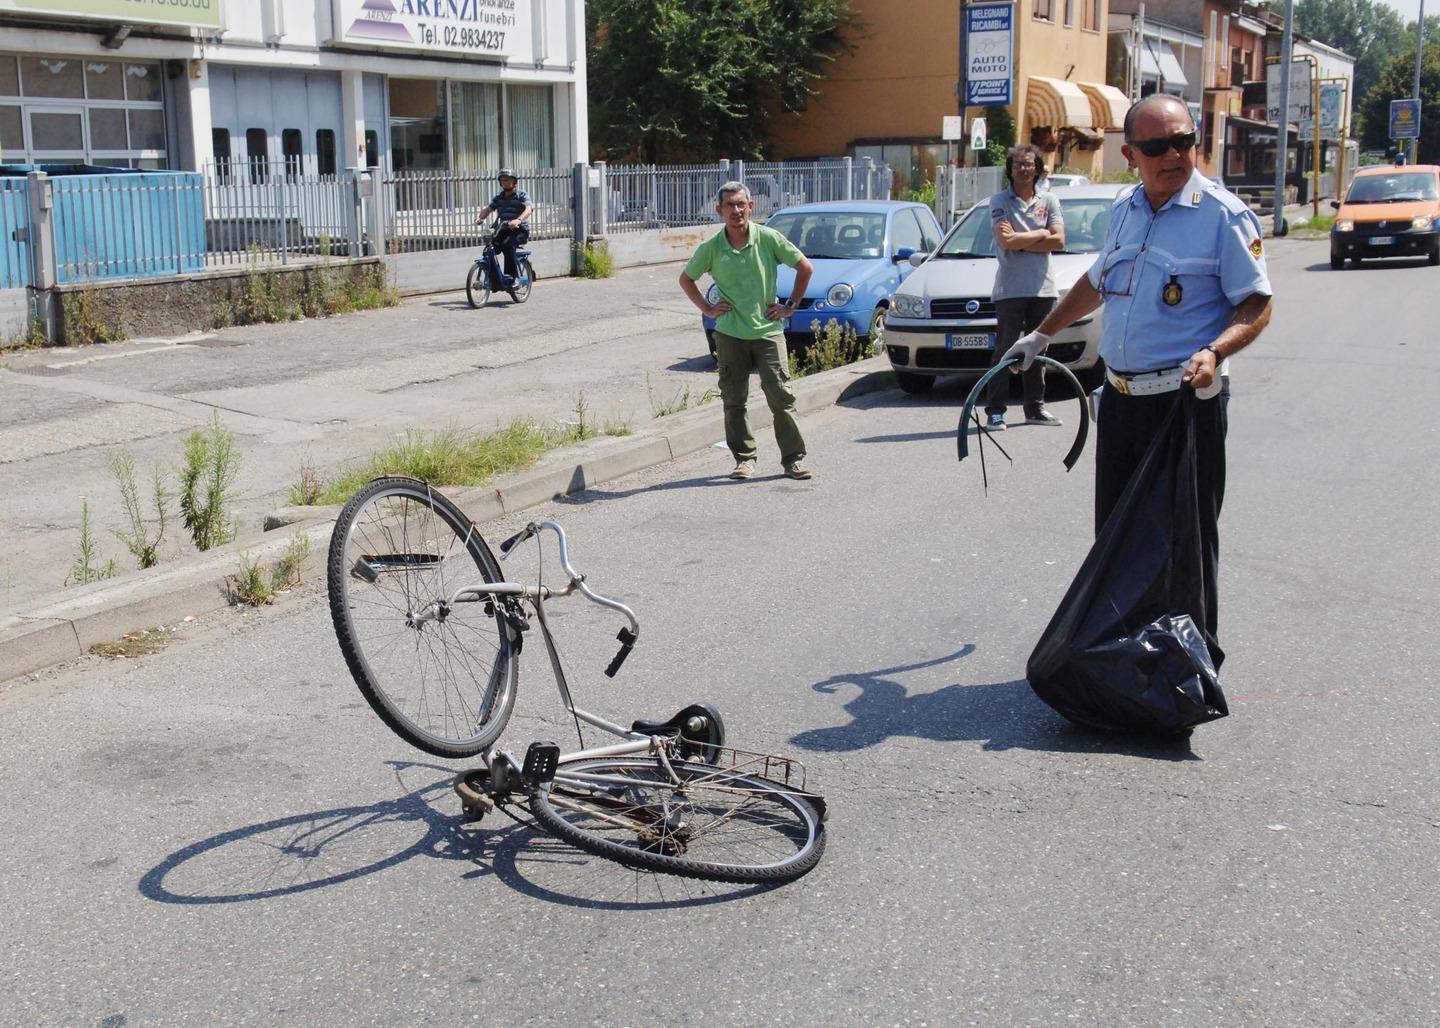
(477, 285)
(704, 822)
(521, 292)
(441, 674)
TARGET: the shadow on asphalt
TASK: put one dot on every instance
(1002, 715)
(301, 853)
(702, 363)
(583, 497)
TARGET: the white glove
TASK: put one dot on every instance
(1027, 348)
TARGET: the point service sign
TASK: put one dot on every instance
(989, 54)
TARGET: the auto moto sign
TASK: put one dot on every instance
(989, 54)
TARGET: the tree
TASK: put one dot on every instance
(1397, 83)
(1368, 30)
(701, 79)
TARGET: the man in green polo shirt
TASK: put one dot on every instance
(749, 325)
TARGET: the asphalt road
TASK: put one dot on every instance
(325, 393)
(223, 833)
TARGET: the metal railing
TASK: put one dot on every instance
(436, 210)
(971, 185)
(270, 211)
(127, 225)
(15, 270)
(650, 196)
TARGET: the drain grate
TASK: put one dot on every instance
(218, 344)
(42, 371)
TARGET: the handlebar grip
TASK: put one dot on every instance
(627, 643)
(517, 538)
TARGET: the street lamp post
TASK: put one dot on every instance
(1419, 53)
(1282, 121)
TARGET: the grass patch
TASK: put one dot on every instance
(34, 339)
(1319, 224)
(133, 644)
(682, 400)
(256, 584)
(85, 320)
(834, 346)
(595, 260)
(307, 490)
(207, 482)
(456, 456)
(89, 566)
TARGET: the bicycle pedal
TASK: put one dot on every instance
(541, 760)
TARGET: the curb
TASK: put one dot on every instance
(65, 626)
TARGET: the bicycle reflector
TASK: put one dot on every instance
(1082, 431)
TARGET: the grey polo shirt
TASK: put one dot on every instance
(1023, 274)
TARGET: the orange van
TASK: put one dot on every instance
(1389, 211)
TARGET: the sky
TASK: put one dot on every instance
(1409, 9)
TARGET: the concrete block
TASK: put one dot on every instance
(29, 644)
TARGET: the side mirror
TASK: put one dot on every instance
(903, 254)
(1333, 203)
(917, 258)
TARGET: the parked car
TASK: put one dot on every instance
(1064, 181)
(942, 320)
(861, 252)
(1388, 211)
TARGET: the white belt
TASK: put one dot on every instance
(1146, 383)
(1151, 383)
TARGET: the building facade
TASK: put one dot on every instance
(887, 99)
(315, 85)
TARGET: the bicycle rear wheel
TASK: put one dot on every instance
(706, 822)
(442, 675)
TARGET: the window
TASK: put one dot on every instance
(1090, 15)
(1044, 10)
(57, 130)
(52, 77)
(9, 76)
(1069, 13)
(142, 82)
(147, 129)
(372, 148)
(325, 151)
(107, 129)
(905, 231)
(220, 148)
(256, 153)
(291, 153)
(528, 134)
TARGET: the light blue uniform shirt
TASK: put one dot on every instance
(1206, 241)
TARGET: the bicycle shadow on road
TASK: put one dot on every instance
(1001, 715)
(583, 497)
(300, 853)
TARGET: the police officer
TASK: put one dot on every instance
(513, 208)
(1182, 277)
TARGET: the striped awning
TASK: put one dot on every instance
(1107, 105)
(1056, 103)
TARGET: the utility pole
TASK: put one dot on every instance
(1419, 53)
(1282, 121)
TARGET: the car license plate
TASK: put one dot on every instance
(969, 341)
(1379, 240)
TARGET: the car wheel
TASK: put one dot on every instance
(1434, 255)
(1337, 260)
(710, 338)
(914, 384)
(874, 341)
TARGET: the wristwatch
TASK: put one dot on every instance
(1216, 351)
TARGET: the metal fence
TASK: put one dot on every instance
(971, 185)
(14, 233)
(644, 196)
(128, 225)
(268, 211)
(436, 210)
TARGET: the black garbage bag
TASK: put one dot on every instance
(1128, 648)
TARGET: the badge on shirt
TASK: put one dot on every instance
(1172, 292)
(1256, 249)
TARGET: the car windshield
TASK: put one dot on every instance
(1397, 188)
(1085, 221)
(843, 235)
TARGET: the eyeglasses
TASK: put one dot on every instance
(1181, 141)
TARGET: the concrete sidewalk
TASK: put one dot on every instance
(64, 626)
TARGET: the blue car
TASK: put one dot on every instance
(860, 250)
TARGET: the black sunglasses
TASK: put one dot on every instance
(1181, 141)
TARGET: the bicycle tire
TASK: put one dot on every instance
(521, 293)
(444, 683)
(477, 284)
(772, 834)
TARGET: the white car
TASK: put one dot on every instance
(942, 319)
(1064, 180)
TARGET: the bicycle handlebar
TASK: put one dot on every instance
(628, 636)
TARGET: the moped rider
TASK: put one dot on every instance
(513, 208)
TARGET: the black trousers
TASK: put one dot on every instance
(1123, 431)
(507, 239)
(1013, 318)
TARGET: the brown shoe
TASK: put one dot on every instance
(796, 469)
(743, 469)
